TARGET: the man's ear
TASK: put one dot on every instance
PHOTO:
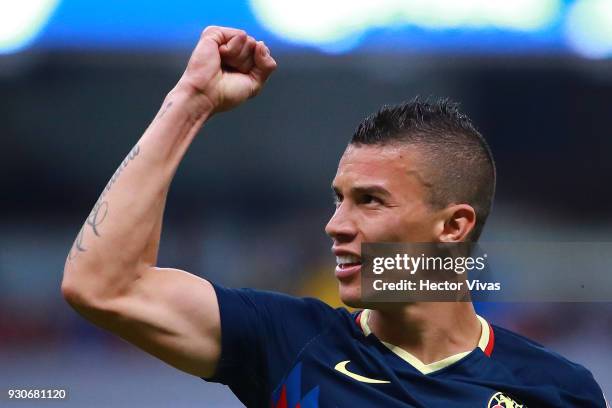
(458, 220)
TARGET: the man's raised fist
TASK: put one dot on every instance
(227, 67)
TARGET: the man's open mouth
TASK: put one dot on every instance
(347, 261)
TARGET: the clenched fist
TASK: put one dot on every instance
(227, 67)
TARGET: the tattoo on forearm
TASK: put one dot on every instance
(97, 216)
(100, 209)
(78, 245)
(163, 112)
(131, 156)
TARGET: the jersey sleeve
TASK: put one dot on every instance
(588, 391)
(579, 388)
(262, 333)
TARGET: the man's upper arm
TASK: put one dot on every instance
(262, 335)
(172, 315)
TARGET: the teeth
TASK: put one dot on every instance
(346, 259)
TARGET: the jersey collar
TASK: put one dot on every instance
(487, 339)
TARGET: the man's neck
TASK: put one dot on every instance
(430, 331)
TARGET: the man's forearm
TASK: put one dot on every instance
(121, 234)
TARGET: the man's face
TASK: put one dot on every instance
(381, 197)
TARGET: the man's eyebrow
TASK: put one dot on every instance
(366, 189)
(371, 190)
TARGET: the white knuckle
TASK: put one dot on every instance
(210, 29)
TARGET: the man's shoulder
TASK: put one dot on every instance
(279, 308)
(306, 310)
(536, 363)
(340, 318)
(519, 349)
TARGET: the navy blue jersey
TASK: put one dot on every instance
(284, 352)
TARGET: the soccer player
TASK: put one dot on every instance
(416, 172)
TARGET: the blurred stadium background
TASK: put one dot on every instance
(79, 82)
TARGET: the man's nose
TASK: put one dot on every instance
(341, 227)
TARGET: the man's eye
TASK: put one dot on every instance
(370, 199)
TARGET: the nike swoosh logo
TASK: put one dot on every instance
(341, 366)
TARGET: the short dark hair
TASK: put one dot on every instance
(462, 167)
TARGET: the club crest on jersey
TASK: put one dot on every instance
(501, 400)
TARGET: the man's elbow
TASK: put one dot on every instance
(91, 289)
(71, 292)
(75, 294)
(88, 302)
(79, 288)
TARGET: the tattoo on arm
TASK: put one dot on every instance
(100, 209)
(78, 245)
(163, 112)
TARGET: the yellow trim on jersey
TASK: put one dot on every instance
(418, 364)
(365, 316)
